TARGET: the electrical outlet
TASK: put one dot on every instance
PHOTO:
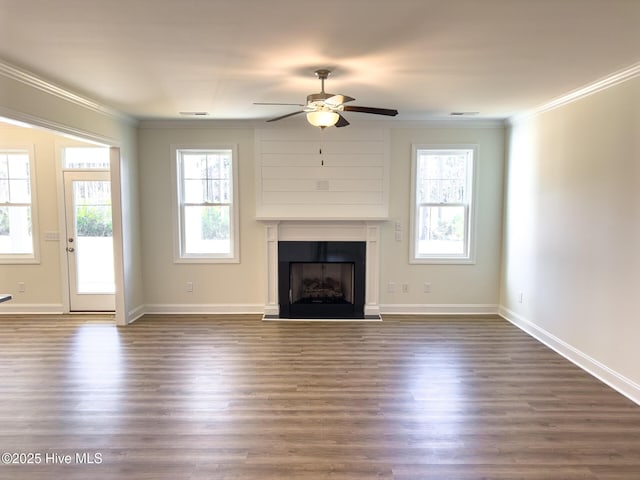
(520, 297)
(426, 287)
(322, 185)
(405, 288)
(391, 287)
(189, 287)
(22, 287)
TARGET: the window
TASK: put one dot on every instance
(442, 204)
(86, 158)
(206, 205)
(16, 206)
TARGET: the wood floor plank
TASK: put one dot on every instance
(231, 397)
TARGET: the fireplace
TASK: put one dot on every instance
(322, 241)
(324, 279)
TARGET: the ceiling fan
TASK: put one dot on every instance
(324, 109)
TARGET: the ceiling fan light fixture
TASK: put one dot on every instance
(324, 109)
(323, 118)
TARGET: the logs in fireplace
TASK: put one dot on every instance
(321, 282)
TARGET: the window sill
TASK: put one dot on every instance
(442, 261)
(206, 260)
(19, 260)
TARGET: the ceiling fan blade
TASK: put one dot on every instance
(375, 111)
(342, 122)
(338, 100)
(285, 116)
(271, 103)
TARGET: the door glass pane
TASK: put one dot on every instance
(94, 236)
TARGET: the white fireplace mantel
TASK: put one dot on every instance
(327, 231)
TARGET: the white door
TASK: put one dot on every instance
(89, 239)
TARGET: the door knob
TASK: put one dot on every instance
(70, 249)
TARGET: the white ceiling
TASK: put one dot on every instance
(427, 58)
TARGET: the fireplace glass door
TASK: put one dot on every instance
(321, 283)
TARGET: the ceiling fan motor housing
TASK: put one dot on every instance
(319, 97)
(316, 101)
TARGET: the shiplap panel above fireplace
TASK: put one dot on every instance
(308, 174)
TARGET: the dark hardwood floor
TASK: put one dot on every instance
(198, 398)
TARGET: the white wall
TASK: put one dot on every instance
(133, 301)
(572, 230)
(454, 288)
(43, 291)
(241, 287)
(217, 288)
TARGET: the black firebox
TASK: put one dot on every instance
(321, 279)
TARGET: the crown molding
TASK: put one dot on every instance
(260, 124)
(609, 81)
(27, 78)
(204, 123)
(447, 122)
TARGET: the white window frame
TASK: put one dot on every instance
(468, 256)
(26, 258)
(178, 221)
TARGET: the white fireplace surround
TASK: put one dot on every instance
(324, 231)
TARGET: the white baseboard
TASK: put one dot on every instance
(439, 309)
(615, 380)
(136, 313)
(10, 308)
(371, 310)
(205, 309)
(239, 309)
(271, 310)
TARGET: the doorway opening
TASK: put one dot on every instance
(88, 229)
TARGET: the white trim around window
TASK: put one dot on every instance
(443, 201)
(28, 200)
(205, 201)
